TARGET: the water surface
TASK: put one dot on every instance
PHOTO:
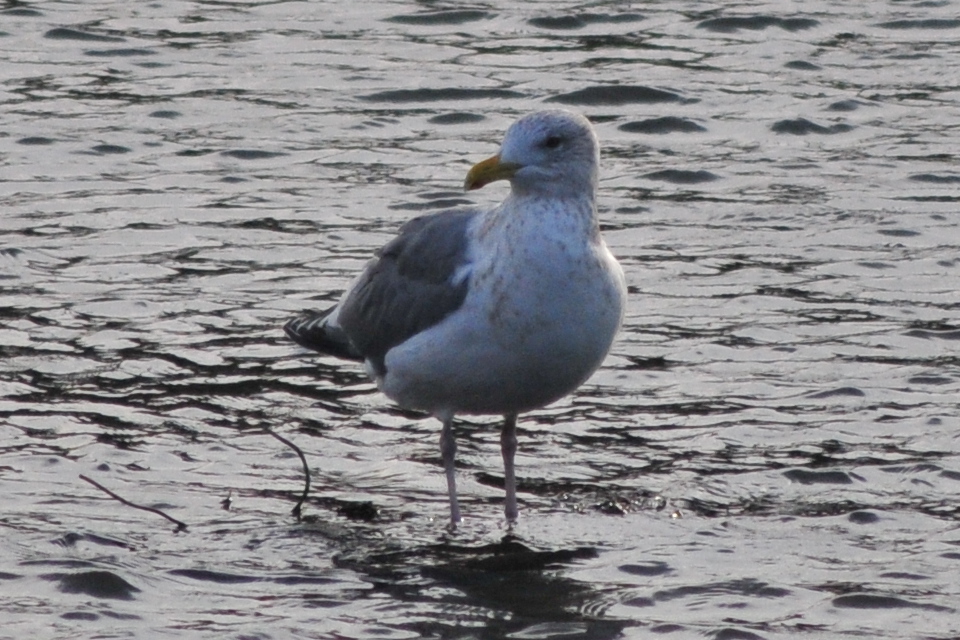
(770, 451)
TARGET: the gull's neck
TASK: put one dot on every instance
(571, 215)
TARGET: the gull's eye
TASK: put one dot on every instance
(552, 142)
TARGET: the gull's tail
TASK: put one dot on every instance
(320, 331)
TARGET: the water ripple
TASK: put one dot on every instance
(777, 420)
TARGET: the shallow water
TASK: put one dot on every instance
(772, 449)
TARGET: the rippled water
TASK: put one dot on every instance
(772, 449)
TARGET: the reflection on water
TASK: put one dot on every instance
(770, 450)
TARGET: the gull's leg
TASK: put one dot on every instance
(508, 447)
(448, 451)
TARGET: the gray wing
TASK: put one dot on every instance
(409, 286)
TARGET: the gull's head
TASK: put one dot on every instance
(553, 152)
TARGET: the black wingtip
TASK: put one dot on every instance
(311, 330)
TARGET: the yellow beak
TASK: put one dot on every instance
(487, 171)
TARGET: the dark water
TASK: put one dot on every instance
(772, 449)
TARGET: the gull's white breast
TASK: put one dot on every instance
(545, 301)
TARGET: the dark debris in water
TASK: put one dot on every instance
(98, 584)
(364, 511)
(354, 510)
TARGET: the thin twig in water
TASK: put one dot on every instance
(180, 525)
(306, 472)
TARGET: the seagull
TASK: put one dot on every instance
(489, 312)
